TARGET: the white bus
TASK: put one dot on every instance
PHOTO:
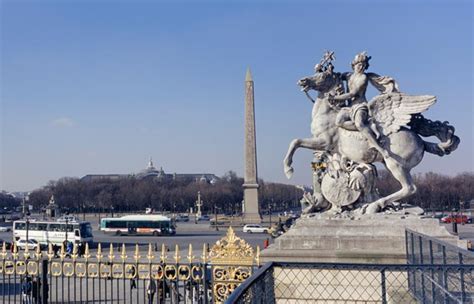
(138, 224)
(46, 232)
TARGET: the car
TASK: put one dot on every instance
(182, 218)
(456, 218)
(255, 228)
(204, 218)
(5, 228)
(32, 244)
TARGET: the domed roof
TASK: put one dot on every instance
(150, 171)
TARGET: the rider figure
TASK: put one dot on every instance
(357, 116)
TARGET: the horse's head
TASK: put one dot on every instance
(322, 82)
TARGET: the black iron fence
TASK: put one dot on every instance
(456, 280)
(115, 275)
(436, 272)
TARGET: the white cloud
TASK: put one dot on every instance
(62, 122)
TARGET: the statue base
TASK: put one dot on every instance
(378, 238)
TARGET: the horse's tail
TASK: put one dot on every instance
(442, 130)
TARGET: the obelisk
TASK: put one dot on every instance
(251, 213)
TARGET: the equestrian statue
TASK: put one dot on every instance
(350, 134)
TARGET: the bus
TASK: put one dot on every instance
(53, 232)
(151, 224)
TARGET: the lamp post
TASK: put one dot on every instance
(215, 214)
(25, 199)
(67, 222)
(270, 211)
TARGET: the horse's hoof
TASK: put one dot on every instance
(372, 208)
(289, 172)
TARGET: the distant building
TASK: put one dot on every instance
(151, 172)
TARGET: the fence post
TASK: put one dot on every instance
(433, 296)
(384, 287)
(461, 273)
(44, 280)
(422, 275)
(445, 276)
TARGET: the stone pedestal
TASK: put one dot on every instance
(379, 238)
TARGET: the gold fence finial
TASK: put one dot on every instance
(74, 254)
(190, 254)
(137, 253)
(163, 253)
(50, 251)
(62, 253)
(150, 255)
(176, 254)
(111, 253)
(124, 253)
(26, 252)
(4, 250)
(204, 253)
(15, 251)
(38, 252)
(99, 254)
(87, 253)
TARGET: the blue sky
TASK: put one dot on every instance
(100, 86)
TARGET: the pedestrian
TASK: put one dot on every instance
(36, 290)
(133, 273)
(151, 290)
(26, 290)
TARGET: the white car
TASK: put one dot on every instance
(5, 228)
(32, 244)
(255, 228)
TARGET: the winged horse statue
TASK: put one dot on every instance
(398, 121)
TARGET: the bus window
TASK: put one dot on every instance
(55, 227)
(76, 233)
(20, 226)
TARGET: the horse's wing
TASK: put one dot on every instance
(393, 111)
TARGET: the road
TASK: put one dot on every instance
(199, 234)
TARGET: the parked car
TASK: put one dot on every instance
(255, 228)
(32, 244)
(5, 228)
(457, 218)
(204, 218)
(182, 218)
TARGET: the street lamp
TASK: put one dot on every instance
(215, 214)
(270, 211)
(25, 199)
(67, 222)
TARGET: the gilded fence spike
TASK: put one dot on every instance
(124, 253)
(163, 253)
(176, 254)
(257, 256)
(38, 252)
(87, 253)
(15, 251)
(150, 255)
(111, 253)
(74, 254)
(137, 253)
(204, 253)
(62, 253)
(99, 254)
(4, 250)
(190, 254)
(26, 252)
(50, 251)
